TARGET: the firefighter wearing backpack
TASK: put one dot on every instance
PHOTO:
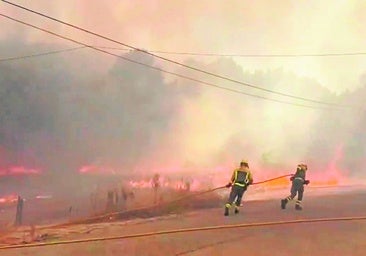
(297, 188)
(240, 180)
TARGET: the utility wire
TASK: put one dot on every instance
(207, 54)
(160, 69)
(41, 54)
(177, 53)
(173, 61)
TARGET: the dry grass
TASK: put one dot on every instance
(175, 202)
(49, 212)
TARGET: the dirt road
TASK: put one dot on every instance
(326, 238)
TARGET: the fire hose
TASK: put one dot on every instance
(110, 216)
(185, 230)
(174, 231)
(269, 180)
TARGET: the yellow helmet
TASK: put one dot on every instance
(244, 162)
(302, 167)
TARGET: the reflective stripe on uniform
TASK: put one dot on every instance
(245, 180)
(240, 185)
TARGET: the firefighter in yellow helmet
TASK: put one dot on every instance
(297, 188)
(240, 180)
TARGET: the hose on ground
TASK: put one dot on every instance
(185, 230)
(110, 216)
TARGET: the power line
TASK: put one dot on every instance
(41, 54)
(178, 53)
(184, 53)
(160, 69)
(173, 61)
(207, 54)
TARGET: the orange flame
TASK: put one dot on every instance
(95, 169)
(8, 199)
(19, 170)
(194, 184)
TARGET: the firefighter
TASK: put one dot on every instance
(297, 188)
(240, 180)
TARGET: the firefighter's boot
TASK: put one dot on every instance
(226, 213)
(283, 203)
(298, 205)
(236, 210)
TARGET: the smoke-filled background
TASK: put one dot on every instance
(80, 110)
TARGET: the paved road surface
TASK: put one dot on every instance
(329, 238)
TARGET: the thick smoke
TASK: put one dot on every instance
(240, 126)
(59, 116)
(62, 112)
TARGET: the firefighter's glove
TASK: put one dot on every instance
(228, 185)
(306, 182)
(292, 178)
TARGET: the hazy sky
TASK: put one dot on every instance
(235, 26)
